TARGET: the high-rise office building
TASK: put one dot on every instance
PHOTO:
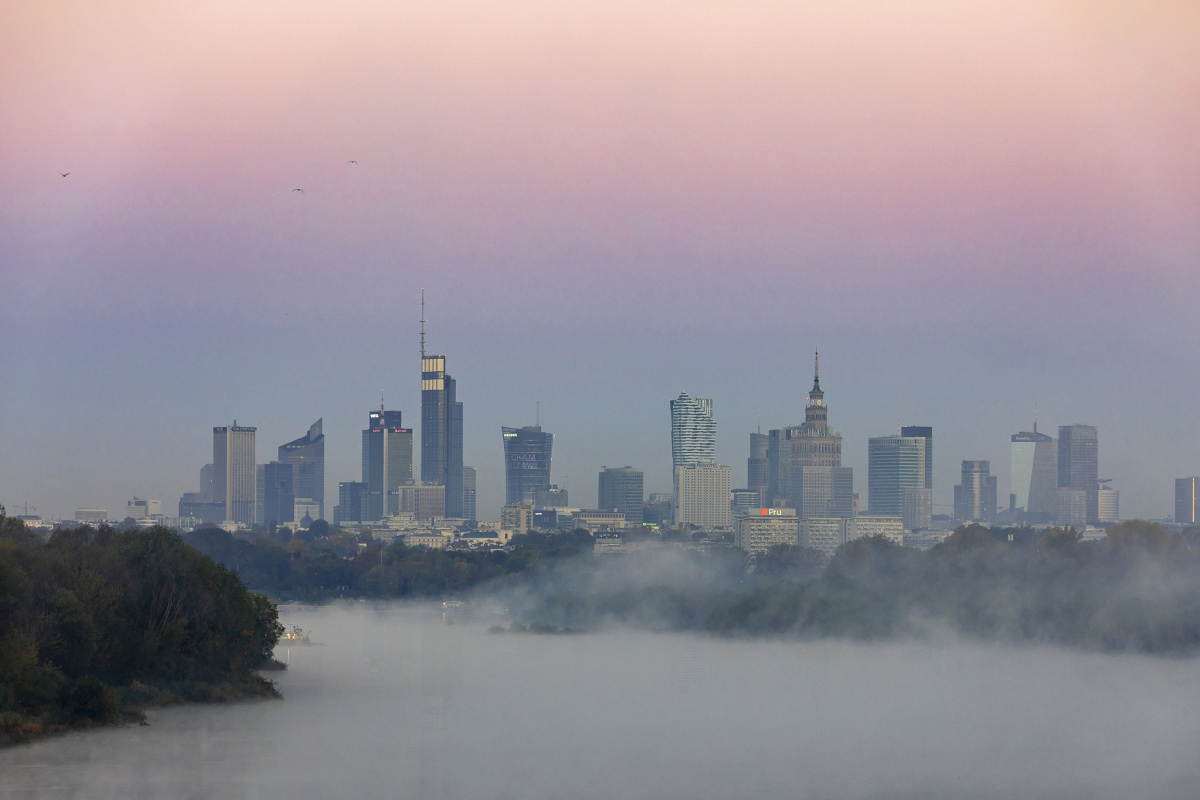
(621, 490)
(352, 502)
(307, 457)
(917, 510)
(441, 427)
(702, 495)
(552, 497)
(235, 473)
(924, 432)
(822, 491)
(527, 457)
(1034, 475)
(1108, 504)
(792, 451)
(975, 497)
(1187, 500)
(894, 464)
(469, 494)
(1071, 508)
(206, 483)
(1079, 464)
(693, 431)
(756, 466)
(659, 509)
(386, 462)
(278, 497)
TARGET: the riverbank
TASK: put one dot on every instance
(96, 624)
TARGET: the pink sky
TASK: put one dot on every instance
(1008, 192)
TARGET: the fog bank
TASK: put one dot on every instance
(398, 703)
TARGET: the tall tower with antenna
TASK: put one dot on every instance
(441, 427)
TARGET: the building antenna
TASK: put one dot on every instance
(537, 413)
(1035, 416)
(760, 423)
(381, 402)
(422, 323)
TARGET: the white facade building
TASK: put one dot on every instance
(757, 533)
(693, 431)
(702, 495)
(830, 533)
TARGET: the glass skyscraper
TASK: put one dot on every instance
(307, 457)
(975, 496)
(441, 432)
(924, 432)
(527, 454)
(621, 489)
(1079, 464)
(894, 464)
(1034, 474)
(386, 462)
(693, 431)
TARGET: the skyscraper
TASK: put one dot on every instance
(896, 475)
(975, 497)
(441, 432)
(1034, 475)
(307, 457)
(469, 494)
(277, 493)
(1187, 500)
(352, 502)
(527, 456)
(924, 432)
(235, 472)
(1079, 464)
(386, 462)
(693, 431)
(756, 466)
(621, 490)
(702, 495)
(206, 482)
(804, 462)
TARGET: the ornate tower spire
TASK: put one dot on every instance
(816, 396)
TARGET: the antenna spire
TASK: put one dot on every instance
(381, 402)
(1035, 416)
(537, 413)
(816, 365)
(422, 323)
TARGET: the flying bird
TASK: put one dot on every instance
(64, 174)
(352, 161)
(297, 190)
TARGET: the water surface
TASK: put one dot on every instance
(398, 704)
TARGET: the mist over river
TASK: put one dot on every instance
(396, 703)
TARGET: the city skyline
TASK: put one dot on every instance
(970, 235)
(706, 410)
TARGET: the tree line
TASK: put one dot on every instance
(96, 621)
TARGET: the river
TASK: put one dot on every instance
(397, 702)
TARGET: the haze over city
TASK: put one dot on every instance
(972, 211)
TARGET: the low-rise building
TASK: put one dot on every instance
(517, 517)
(608, 542)
(91, 515)
(431, 539)
(889, 527)
(757, 533)
(596, 519)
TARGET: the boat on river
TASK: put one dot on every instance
(296, 636)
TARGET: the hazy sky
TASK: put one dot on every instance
(972, 208)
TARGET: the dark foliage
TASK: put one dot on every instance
(344, 564)
(94, 610)
(1137, 591)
